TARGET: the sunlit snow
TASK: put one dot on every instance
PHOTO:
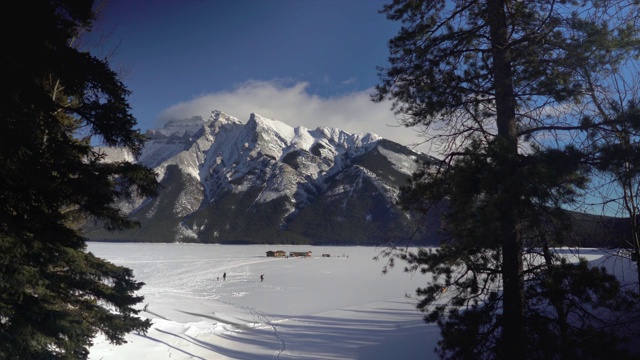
(223, 154)
(337, 307)
(403, 164)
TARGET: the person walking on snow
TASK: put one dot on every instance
(262, 278)
(224, 276)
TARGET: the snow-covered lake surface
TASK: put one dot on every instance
(337, 307)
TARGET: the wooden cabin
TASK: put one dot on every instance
(277, 253)
(300, 254)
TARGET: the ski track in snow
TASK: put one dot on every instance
(181, 277)
(262, 318)
(196, 314)
(334, 308)
(166, 277)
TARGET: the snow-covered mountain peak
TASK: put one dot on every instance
(298, 137)
(282, 130)
(180, 128)
(224, 149)
(351, 140)
(222, 118)
(226, 177)
(301, 138)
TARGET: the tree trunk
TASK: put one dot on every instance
(512, 268)
(635, 255)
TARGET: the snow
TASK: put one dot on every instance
(337, 307)
(340, 307)
(402, 163)
(115, 154)
(182, 127)
(284, 131)
(222, 150)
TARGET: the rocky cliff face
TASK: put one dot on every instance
(263, 181)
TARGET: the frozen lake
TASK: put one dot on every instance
(337, 307)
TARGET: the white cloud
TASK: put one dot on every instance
(294, 105)
(349, 81)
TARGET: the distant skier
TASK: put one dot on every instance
(224, 276)
(262, 278)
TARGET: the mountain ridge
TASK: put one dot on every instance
(264, 181)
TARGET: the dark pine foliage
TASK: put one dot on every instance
(57, 101)
(501, 88)
(559, 319)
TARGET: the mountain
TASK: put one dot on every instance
(263, 181)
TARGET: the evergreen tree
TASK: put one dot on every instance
(500, 87)
(609, 111)
(617, 157)
(58, 101)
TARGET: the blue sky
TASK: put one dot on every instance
(304, 62)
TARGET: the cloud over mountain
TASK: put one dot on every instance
(294, 104)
